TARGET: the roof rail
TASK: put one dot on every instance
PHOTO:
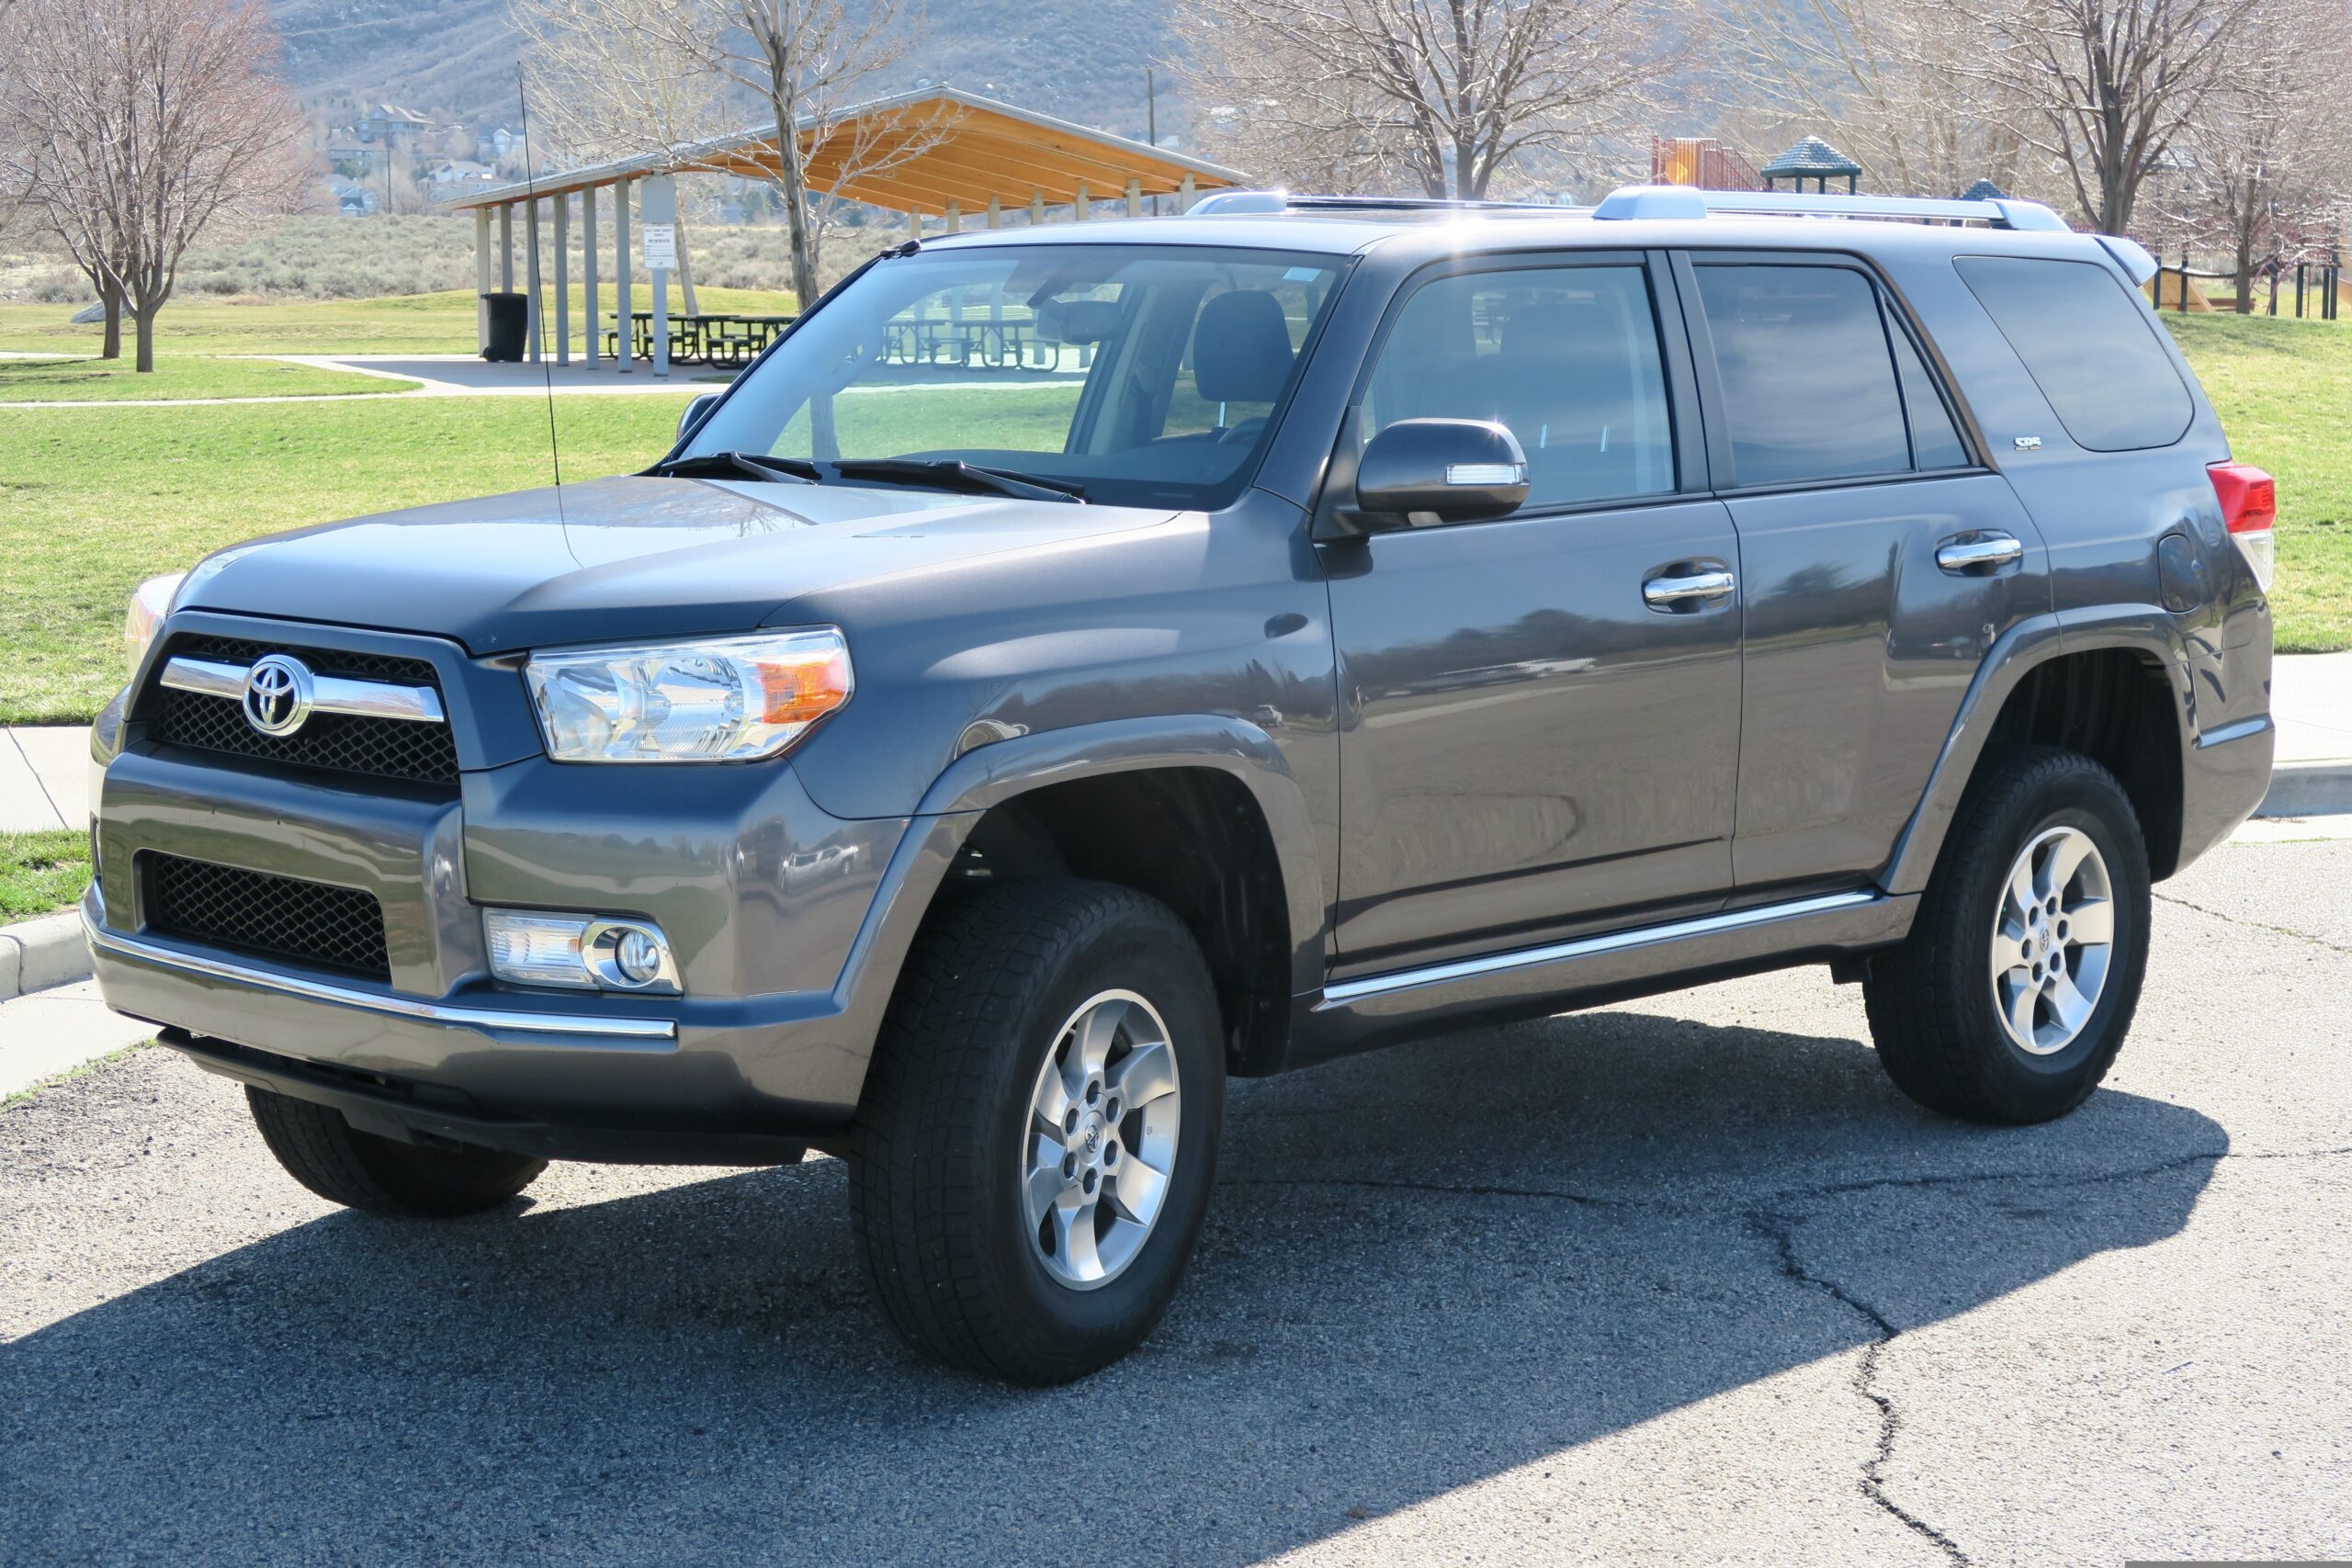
(1687, 201)
(1231, 202)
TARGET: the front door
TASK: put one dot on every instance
(1540, 732)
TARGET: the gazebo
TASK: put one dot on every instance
(1984, 190)
(1812, 159)
(940, 154)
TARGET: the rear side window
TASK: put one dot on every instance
(1934, 440)
(2089, 346)
(1808, 380)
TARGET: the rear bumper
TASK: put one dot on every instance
(2224, 774)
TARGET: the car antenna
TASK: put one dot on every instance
(546, 370)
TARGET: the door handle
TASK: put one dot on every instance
(1986, 551)
(1688, 590)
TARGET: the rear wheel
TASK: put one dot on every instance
(2013, 993)
(1038, 1137)
(360, 1170)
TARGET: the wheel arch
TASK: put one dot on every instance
(2111, 685)
(1200, 812)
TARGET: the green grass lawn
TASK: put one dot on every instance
(409, 323)
(41, 872)
(91, 503)
(2283, 388)
(178, 377)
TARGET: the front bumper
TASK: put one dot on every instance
(788, 924)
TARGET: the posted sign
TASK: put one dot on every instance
(660, 247)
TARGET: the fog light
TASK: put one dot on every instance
(579, 952)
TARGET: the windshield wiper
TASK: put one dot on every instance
(953, 473)
(739, 465)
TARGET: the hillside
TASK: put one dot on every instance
(1083, 59)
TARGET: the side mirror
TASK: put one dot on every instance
(697, 406)
(1441, 470)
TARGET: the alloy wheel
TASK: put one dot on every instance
(2052, 939)
(1101, 1144)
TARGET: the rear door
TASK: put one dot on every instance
(1879, 558)
(1529, 744)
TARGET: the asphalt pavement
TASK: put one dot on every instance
(1682, 1280)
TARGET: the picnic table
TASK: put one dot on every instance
(730, 339)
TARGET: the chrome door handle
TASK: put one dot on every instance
(1674, 592)
(1986, 550)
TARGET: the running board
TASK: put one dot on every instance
(1623, 962)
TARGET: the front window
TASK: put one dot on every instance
(1139, 375)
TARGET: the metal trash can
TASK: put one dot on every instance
(510, 324)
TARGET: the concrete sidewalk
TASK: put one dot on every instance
(44, 777)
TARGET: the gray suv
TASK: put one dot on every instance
(1080, 665)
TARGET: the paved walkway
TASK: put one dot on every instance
(438, 374)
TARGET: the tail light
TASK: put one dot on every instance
(2249, 501)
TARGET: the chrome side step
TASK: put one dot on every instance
(1832, 918)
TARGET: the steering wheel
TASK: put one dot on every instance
(1243, 434)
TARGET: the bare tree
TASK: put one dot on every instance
(1446, 95)
(673, 69)
(2108, 87)
(2259, 174)
(601, 89)
(1889, 76)
(133, 125)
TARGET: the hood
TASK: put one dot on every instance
(622, 560)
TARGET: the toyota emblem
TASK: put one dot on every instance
(277, 694)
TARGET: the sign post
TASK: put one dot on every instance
(658, 205)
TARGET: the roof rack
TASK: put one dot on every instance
(1687, 201)
(1260, 202)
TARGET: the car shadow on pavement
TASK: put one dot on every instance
(1422, 1268)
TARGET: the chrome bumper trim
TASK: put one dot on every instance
(567, 1024)
(1585, 947)
(2223, 734)
(329, 694)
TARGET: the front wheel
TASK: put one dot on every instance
(360, 1170)
(1039, 1131)
(2013, 993)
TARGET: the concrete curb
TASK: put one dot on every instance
(2308, 789)
(36, 955)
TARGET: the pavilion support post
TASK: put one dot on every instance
(1036, 206)
(531, 316)
(914, 222)
(624, 275)
(506, 246)
(481, 278)
(954, 220)
(1078, 207)
(1185, 195)
(996, 213)
(1134, 199)
(588, 272)
(563, 277)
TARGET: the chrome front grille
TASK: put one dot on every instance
(194, 705)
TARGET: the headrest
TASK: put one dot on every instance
(1241, 350)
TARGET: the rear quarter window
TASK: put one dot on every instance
(2088, 346)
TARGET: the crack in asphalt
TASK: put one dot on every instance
(1778, 1229)
(2254, 925)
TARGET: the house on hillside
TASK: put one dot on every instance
(352, 199)
(451, 176)
(388, 120)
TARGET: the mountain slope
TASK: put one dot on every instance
(1083, 60)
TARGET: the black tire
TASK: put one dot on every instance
(935, 1170)
(360, 1170)
(1931, 1002)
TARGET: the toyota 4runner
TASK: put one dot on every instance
(1080, 665)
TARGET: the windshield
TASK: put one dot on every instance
(1137, 375)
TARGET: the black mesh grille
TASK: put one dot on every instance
(380, 748)
(275, 916)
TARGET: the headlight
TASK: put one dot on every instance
(150, 603)
(724, 701)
